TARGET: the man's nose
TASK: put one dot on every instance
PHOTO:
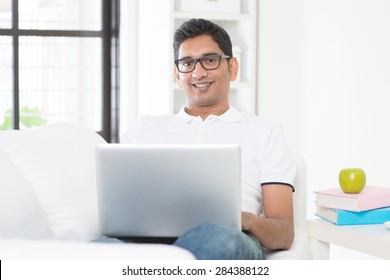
(199, 71)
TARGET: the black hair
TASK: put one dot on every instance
(196, 27)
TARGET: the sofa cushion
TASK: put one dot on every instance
(22, 249)
(21, 215)
(58, 162)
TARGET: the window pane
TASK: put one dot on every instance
(60, 14)
(60, 81)
(6, 82)
(5, 14)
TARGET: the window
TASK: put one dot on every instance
(58, 63)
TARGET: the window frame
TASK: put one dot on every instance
(109, 34)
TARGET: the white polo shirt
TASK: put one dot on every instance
(265, 157)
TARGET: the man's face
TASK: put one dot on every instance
(205, 88)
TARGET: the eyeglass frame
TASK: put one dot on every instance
(196, 60)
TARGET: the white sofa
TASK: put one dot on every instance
(48, 204)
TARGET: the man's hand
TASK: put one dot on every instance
(246, 220)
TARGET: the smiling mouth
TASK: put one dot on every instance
(203, 85)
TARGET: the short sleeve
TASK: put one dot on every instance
(278, 166)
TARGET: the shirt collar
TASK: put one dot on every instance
(230, 116)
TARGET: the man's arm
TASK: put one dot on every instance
(276, 229)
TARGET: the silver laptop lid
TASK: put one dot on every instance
(165, 190)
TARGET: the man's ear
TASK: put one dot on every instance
(177, 76)
(233, 67)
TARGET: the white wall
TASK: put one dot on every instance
(325, 77)
(279, 66)
(128, 63)
(146, 69)
(155, 68)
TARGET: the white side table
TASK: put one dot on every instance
(369, 239)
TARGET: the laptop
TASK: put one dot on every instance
(161, 191)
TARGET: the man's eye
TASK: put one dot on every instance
(210, 59)
(187, 63)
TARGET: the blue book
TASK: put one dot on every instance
(344, 217)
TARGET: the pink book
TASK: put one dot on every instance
(370, 197)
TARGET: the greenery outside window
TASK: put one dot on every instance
(59, 63)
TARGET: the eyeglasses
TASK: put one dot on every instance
(208, 62)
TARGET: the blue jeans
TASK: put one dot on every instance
(214, 242)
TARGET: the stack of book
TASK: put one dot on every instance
(370, 206)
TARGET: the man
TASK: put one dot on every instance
(204, 68)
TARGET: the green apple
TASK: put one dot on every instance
(352, 180)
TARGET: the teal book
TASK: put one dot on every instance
(341, 217)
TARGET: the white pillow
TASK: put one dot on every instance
(59, 163)
(21, 215)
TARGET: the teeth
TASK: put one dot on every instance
(202, 85)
